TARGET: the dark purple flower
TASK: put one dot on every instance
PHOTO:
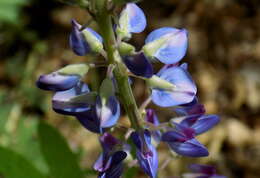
(62, 101)
(145, 152)
(200, 124)
(152, 118)
(203, 171)
(139, 65)
(109, 163)
(182, 139)
(100, 116)
(57, 82)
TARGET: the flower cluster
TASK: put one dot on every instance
(98, 111)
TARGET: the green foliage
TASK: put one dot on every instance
(13, 165)
(61, 160)
(130, 172)
(10, 9)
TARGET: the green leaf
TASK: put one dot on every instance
(25, 144)
(61, 160)
(13, 165)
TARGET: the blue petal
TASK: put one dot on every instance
(152, 117)
(102, 163)
(60, 99)
(184, 66)
(57, 82)
(139, 65)
(109, 113)
(174, 48)
(136, 140)
(116, 167)
(90, 121)
(173, 136)
(158, 33)
(204, 123)
(77, 41)
(95, 34)
(185, 88)
(190, 148)
(149, 163)
(137, 20)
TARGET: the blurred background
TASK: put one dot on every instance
(223, 58)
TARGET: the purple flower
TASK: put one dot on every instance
(200, 124)
(152, 118)
(182, 139)
(61, 101)
(145, 152)
(84, 41)
(109, 163)
(131, 20)
(57, 82)
(100, 116)
(167, 44)
(183, 91)
(203, 171)
(139, 65)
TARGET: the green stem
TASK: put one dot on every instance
(120, 72)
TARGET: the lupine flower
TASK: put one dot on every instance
(131, 20)
(139, 65)
(145, 152)
(57, 82)
(167, 44)
(183, 91)
(83, 41)
(109, 163)
(152, 118)
(202, 171)
(182, 140)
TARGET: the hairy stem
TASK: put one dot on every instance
(104, 21)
